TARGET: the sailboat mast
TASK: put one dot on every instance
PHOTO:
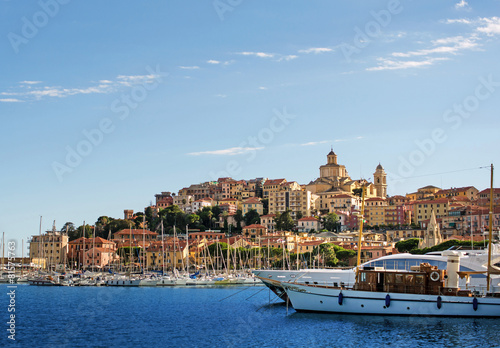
(162, 250)
(144, 241)
(187, 247)
(490, 240)
(40, 244)
(360, 235)
(83, 235)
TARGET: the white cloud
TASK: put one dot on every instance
(30, 82)
(227, 152)
(449, 45)
(316, 50)
(11, 100)
(387, 64)
(212, 61)
(221, 95)
(287, 58)
(30, 90)
(194, 67)
(460, 21)
(462, 5)
(262, 88)
(258, 54)
(312, 143)
(492, 26)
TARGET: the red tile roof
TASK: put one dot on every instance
(309, 218)
(254, 226)
(127, 232)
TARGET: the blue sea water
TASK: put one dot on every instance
(214, 317)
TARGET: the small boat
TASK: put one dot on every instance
(43, 282)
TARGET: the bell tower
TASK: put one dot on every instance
(380, 181)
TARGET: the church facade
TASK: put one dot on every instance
(334, 180)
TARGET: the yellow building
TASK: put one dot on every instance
(271, 186)
(422, 209)
(174, 255)
(253, 203)
(469, 192)
(375, 211)
(291, 196)
(49, 249)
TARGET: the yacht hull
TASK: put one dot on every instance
(322, 299)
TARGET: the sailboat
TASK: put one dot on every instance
(423, 291)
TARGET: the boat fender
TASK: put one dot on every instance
(341, 297)
(387, 300)
(475, 303)
(434, 276)
(439, 303)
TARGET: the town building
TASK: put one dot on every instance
(308, 224)
(49, 250)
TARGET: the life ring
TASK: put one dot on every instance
(434, 276)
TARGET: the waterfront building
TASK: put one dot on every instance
(426, 192)
(78, 250)
(49, 250)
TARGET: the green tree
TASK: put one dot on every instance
(330, 221)
(252, 217)
(284, 221)
(299, 215)
(80, 229)
(406, 246)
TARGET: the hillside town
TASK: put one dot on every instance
(292, 221)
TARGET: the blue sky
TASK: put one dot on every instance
(104, 104)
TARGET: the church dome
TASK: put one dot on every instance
(379, 167)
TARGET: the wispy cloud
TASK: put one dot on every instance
(459, 20)
(213, 61)
(227, 152)
(33, 90)
(11, 100)
(387, 64)
(312, 143)
(30, 82)
(219, 62)
(221, 95)
(194, 67)
(287, 58)
(450, 45)
(263, 88)
(462, 5)
(316, 50)
(257, 54)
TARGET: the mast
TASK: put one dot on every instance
(490, 233)
(144, 241)
(83, 235)
(93, 251)
(3, 249)
(360, 235)
(187, 247)
(39, 244)
(162, 250)
(22, 256)
(175, 259)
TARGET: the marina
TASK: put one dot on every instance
(218, 317)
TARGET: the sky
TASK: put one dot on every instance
(105, 104)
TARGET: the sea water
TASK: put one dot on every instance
(213, 317)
